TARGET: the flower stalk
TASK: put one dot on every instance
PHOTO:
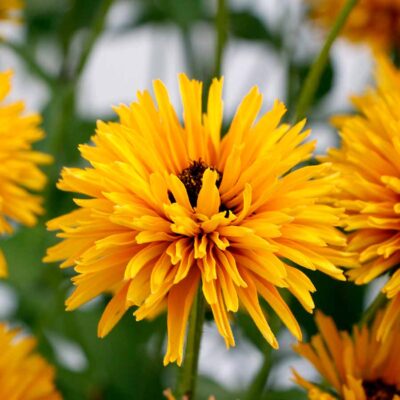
(221, 26)
(256, 388)
(188, 375)
(314, 75)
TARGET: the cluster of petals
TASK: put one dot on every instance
(24, 375)
(357, 367)
(19, 168)
(369, 181)
(144, 234)
(8, 9)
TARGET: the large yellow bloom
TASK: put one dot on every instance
(19, 172)
(369, 163)
(24, 375)
(172, 207)
(8, 8)
(374, 21)
(355, 368)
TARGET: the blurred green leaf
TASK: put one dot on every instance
(182, 13)
(43, 17)
(343, 301)
(290, 394)
(208, 387)
(245, 25)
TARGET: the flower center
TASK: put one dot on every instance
(192, 178)
(379, 390)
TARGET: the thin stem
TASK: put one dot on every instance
(374, 307)
(189, 52)
(63, 141)
(25, 55)
(311, 84)
(188, 376)
(256, 388)
(221, 27)
(96, 29)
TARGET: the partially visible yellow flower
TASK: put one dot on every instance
(374, 21)
(24, 375)
(169, 208)
(356, 367)
(19, 172)
(8, 9)
(369, 165)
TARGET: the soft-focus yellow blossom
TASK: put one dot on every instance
(169, 207)
(374, 21)
(356, 367)
(369, 165)
(24, 375)
(19, 166)
(8, 9)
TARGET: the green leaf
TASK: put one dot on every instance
(245, 25)
(182, 13)
(290, 394)
(207, 387)
(343, 301)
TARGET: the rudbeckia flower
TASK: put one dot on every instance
(369, 182)
(170, 207)
(24, 375)
(376, 22)
(356, 367)
(19, 167)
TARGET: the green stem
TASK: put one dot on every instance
(24, 54)
(67, 84)
(188, 373)
(256, 388)
(95, 31)
(63, 141)
(221, 27)
(189, 52)
(374, 307)
(311, 84)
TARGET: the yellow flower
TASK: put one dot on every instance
(8, 8)
(24, 375)
(19, 172)
(354, 368)
(374, 21)
(368, 161)
(170, 207)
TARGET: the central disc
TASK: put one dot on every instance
(192, 178)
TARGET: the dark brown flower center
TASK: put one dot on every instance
(379, 390)
(192, 178)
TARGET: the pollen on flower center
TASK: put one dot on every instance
(379, 390)
(192, 178)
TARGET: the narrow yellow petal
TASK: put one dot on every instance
(208, 202)
(180, 300)
(114, 311)
(3, 265)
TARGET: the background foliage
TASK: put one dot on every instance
(128, 363)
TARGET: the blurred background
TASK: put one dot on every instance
(74, 60)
